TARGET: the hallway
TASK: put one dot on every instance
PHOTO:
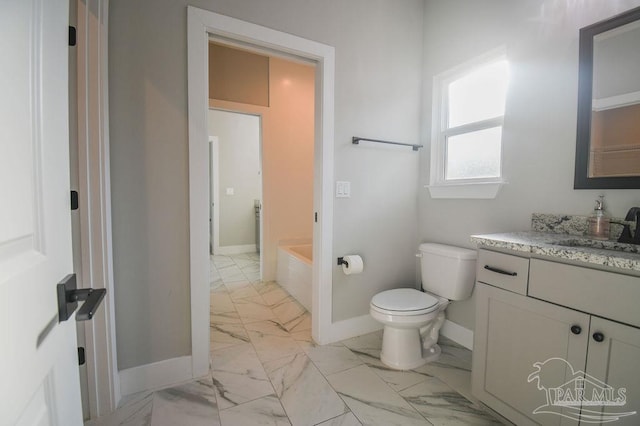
(266, 370)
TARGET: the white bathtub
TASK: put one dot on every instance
(295, 263)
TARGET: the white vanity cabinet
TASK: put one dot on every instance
(513, 333)
(616, 361)
(527, 349)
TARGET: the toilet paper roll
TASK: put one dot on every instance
(354, 264)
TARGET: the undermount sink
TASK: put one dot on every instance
(598, 244)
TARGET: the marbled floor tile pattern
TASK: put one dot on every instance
(134, 410)
(193, 403)
(304, 392)
(441, 405)
(266, 370)
(238, 375)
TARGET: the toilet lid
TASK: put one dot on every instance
(404, 300)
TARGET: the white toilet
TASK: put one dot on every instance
(412, 318)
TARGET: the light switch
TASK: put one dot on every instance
(230, 191)
(343, 189)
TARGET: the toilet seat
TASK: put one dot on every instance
(404, 301)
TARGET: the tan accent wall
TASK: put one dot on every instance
(238, 76)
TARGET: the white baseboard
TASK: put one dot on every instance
(353, 327)
(458, 334)
(229, 250)
(155, 375)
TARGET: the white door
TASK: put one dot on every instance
(39, 382)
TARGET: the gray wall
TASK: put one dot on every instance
(378, 78)
(379, 50)
(540, 120)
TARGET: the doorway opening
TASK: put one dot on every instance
(281, 92)
(261, 137)
(202, 26)
(235, 182)
(235, 188)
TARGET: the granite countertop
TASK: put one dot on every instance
(565, 246)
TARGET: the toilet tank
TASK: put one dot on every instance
(447, 271)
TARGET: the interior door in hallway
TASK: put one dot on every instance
(38, 362)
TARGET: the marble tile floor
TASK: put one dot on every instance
(266, 370)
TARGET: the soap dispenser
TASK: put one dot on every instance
(599, 221)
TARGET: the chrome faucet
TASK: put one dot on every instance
(633, 215)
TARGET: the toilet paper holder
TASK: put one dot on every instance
(341, 261)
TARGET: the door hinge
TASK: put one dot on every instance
(316, 217)
(72, 36)
(81, 357)
(74, 200)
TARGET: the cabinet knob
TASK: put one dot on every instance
(576, 329)
(598, 337)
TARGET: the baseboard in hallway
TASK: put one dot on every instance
(155, 375)
(241, 249)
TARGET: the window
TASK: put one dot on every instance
(468, 113)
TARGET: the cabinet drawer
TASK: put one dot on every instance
(601, 293)
(503, 270)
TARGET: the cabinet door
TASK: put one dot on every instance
(613, 371)
(522, 348)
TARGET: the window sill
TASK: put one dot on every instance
(466, 190)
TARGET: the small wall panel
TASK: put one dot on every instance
(238, 76)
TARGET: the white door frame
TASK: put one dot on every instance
(214, 143)
(201, 24)
(95, 202)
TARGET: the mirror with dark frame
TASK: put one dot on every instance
(608, 131)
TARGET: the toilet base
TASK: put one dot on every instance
(432, 354)
(402, 349)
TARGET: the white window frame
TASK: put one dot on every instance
(439, 186)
